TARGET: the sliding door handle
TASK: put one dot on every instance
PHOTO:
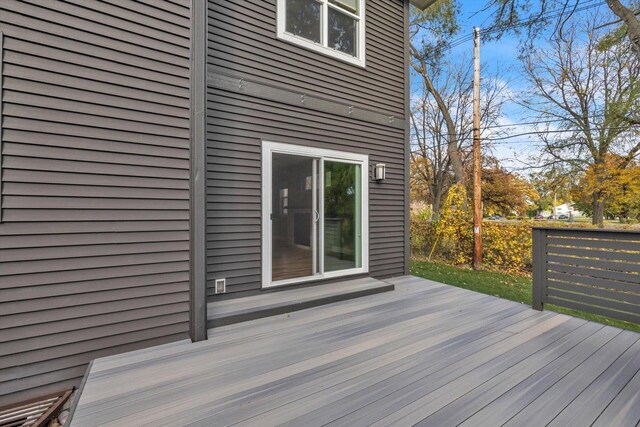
(316, 215)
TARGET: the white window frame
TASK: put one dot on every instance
(268, 148)
(323, 47)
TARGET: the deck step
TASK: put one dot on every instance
(227, 312)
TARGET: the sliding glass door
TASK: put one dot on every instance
(314, 214)
(342, 216)
(294, 217)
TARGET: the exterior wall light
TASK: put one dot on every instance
(380, 172)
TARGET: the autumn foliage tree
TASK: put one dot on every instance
(504, 192)
(617, 182)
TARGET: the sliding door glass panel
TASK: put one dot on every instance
(342, 216)
(292, 217)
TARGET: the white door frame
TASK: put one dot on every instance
(268, 148)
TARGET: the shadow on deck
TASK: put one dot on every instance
(425, 353)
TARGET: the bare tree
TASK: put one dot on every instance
(583, 88)
(438, 122)
(429, 31)
(531, 16)
(454, 155)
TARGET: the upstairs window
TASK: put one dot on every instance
(333, 27)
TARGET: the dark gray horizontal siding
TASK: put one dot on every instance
(243, 43)
(94, 253)
(237, 124)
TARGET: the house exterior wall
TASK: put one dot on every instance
(94, 238)
(243, 42)
(263, 88)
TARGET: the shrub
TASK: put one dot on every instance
(506, 245)
(453, 236)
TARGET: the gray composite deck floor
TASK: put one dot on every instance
(425, 353)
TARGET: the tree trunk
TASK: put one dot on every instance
(598, 210)
(631, 20)
(453, 150)
(436, 201)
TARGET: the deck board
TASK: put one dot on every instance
(544, 409)
(507, 405)
(425, 353)
(465, 402)
(624, 410)
(587, 407)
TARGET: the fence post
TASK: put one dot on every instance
(539, 263)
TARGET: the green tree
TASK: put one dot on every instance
(618, 183)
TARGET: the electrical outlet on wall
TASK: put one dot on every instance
(221, 286)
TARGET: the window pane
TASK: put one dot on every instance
(303, 19)
(348, 5)
(342, 216)
(342, 32)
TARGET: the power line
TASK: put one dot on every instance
(551, 14)
(506, 139)
(492, 142)
(595, 126)
(445, 144)
(534, 123)
(532, 19)
(552, 131)
(592, 125)
(538, 122)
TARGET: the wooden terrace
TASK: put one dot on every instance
(422, 354)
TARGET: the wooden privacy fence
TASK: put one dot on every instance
(596, 271)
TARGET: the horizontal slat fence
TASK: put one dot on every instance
(596, 271)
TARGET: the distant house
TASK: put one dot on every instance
(157, 155)
(563, 209)
(566, 209)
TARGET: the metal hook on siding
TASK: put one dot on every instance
(241, 84)
(350, 110)
(303, 98)
(391, 119)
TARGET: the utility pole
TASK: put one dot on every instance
(477, 163)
